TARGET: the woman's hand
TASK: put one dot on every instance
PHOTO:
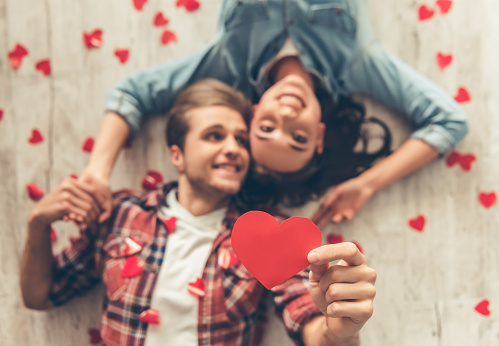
(101, 193)
(343, 202)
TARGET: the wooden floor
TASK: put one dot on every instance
(429, 282)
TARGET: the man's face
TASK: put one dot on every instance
(215, 157)
(286, 129)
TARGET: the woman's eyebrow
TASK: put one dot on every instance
(294, 147)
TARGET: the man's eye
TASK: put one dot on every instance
(214, 136)
(243, 141)
(300, 139)
(266, 128)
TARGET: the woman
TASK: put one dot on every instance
(282, 54)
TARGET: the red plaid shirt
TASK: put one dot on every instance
(230, 309)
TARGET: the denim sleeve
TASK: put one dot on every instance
(438, 119)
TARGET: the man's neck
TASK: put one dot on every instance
(197, 202)
(292, 66)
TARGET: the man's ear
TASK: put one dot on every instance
(177, 158)
(320, 138)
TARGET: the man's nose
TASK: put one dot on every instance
(231, 146)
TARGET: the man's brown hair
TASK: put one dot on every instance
(206, 92)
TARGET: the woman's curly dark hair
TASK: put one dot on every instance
(340, 160)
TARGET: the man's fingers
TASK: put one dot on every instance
(333, 252)
(317, 271)
(358, 311)
(350, 292)
(105, 215)
(348, 275)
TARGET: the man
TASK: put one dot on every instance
(165, 258)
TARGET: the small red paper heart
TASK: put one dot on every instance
(94, 334)
(190, 5)
(132, 267)
(170, 224)
(196, 288)
(444, 5)
(272, 252)
(443, 60)
(418, 223)
(73, 176)
(132, 246)
(34, 192)
(483, 307)
(168, 36)
(1, 114)
(122, 54)
(487, 199)
(425, 13)
(155, 175)
(150, 316)
(43, 66)
(53, 234)
(88, 145)
(139, 4)
(462, 96)
(36, 137)
(358, 246)
(16, 55)
(160, 19)
(464, 160)
(93, 39)
(149, 183)
(226, 259)
(334, 238)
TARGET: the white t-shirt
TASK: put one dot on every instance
(187, 250)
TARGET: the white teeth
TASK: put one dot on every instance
(227, 167)
(291, 100)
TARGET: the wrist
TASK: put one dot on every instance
(37, 221)
(369, 181)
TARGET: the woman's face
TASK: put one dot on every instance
(286, 130)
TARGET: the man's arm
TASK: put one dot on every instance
(37, 263)
(344, 293)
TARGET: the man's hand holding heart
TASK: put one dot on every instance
(344, 292)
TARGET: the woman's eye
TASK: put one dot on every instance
(300, 139)
(266, 128)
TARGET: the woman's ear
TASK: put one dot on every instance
(320, 138)
(177, 158)
(254, 107)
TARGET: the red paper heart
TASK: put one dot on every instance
(425, 13)
(36, 137)
(464, 160)
(443, 60)
(462, 96)
(122, 54)
(444, 5)
(334, 238)
(418, 223)
(139, 4)
(34, 192)
(73, 176)
(93, 39)
(155, 175)
(88, 145)
(1, 114)
(132, 267)
(150, 316)
(149, 183)
(170, 224)
(483, 307)
(132, 246)
(190, 5)
(16, 55)
(43, 66)
(160, 19)
(487, 199)
(227, 259)
(95, 338)
(168, 36)
(272, 252)
(196, 288)
(358, 246)
(53, 234)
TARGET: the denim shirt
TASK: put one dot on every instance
(335, 43)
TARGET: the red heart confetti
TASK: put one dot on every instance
(88, 145)
(36, 137)
(190, 5)
(487, 199)
(272, 252)
(160, 19)
(483, 307)
(418, 223)
(155, 175)
(34, 192)
(95, 338)
(132, 267)
(139, 4)
(43, 66)
(462, 96)
(196, 288)
(227, 259)
(334, 238)
(73, 176)
(53, 234)
(93, 39)
(425, 13)
(443, 60)
(170, 224)
(1, 114)
(464, 160)
(122, 54)
(150, 316)
(168, 36)
(132, 246)
(358, 246)
(16, 55)
(149, 183)
(444, 5)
